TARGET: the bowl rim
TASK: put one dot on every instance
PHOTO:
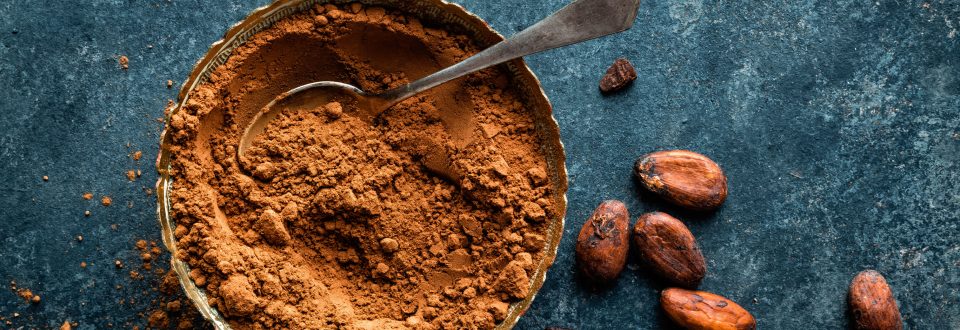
(262, 18)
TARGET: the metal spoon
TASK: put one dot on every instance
(579, 21)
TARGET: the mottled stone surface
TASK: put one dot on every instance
(838, 123)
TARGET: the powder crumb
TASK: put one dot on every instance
(79, 238)
(83, 264)
(124, 62)
(513, 281)
(118, 263)
(498, 309)
(66, 326)
(271, 227)
(159, 320)
(334, 109)
(132, 175)
(25, 294)
(87, 196)
(106, 200)
(46, 178)
(238, 296)
(169, 83)
(389, 245)
(490, 130)
(137, 155)
(35, 299)
(173, 306)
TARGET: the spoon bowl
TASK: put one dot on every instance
(367, 106)
(579, 21)
(305, 97)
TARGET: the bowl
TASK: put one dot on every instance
(436, 11)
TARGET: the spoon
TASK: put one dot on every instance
(579, 21)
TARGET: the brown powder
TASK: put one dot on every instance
(88, 196)
(28, 295)
(332, 221)
(106, 200)
(124, 62)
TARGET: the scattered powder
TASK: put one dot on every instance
(131, 175)
(124, 62)
(175, 309)
(331, 221)
(106, 200)
(137, 155)
(26, 294)
(88, 196)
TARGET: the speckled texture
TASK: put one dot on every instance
(838, 124)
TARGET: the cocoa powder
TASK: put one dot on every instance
(333, 221)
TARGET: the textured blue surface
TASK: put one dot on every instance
(837, 122)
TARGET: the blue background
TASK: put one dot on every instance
(837, 122)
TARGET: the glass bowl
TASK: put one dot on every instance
(435, 11)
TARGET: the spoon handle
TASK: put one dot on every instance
(579, 21)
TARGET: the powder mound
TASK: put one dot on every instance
(430, 216)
